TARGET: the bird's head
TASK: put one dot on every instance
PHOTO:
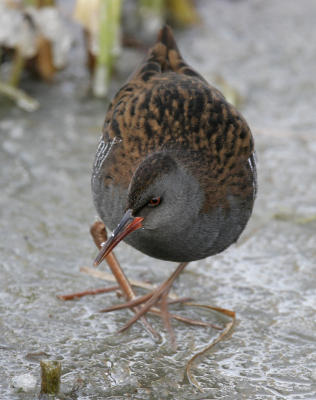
(164, 199)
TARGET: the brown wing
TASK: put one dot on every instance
(167, 103)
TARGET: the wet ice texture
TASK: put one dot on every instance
(268, 278)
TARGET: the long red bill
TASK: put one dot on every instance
(127, 225)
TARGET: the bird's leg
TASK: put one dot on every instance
(77, 295)
(153, 298)
(98, 233)
(165, 315)
(143, 304)
(156, 296)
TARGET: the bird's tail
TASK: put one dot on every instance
(164, 56)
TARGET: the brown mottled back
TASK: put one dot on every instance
(167, 105)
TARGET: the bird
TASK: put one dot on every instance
(174, 174)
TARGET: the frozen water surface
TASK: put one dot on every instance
(266, 49)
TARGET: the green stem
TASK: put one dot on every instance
(17, 68)
(110, 12)
(39, 3)
(182, 13)
(156, 6)
(50, 374)
(23, 100)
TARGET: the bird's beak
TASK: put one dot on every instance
(128, 224)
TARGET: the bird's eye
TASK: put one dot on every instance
(154, 202)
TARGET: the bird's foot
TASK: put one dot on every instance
(157, 302)
(91, 292)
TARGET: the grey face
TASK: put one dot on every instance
(168, 227)
(180, 202)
